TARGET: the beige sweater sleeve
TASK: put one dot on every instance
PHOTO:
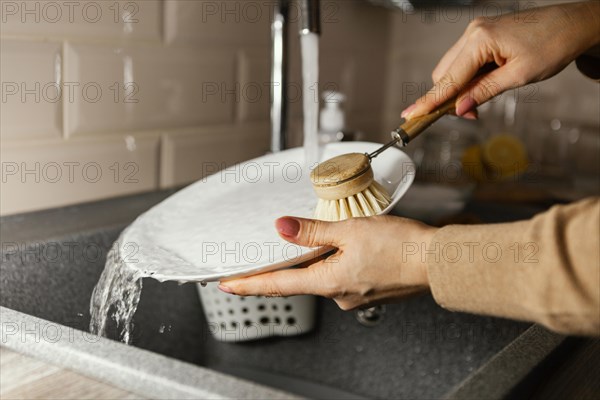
(545, 270)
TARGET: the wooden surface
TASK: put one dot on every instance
(23, 377)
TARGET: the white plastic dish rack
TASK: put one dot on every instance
(234, 318)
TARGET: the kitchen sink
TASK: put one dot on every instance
(415, 350)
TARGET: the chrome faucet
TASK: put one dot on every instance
(310, 12)
(310, 23)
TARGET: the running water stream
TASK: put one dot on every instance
(309, 44)
(118, 290)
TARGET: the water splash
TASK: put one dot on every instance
(118, 291)
(117, 295)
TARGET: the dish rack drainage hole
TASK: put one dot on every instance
(242, 318)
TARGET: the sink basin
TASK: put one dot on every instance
(418, 350)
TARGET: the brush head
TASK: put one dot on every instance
(342, 176)
(346, 188)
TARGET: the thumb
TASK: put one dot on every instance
(308, 232)
(456, 78)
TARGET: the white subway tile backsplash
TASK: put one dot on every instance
(254, 80)
(338, 72)
(43, 174)
(370, 84)
(187, 156)
(83, 19)
(207, 88)
(30, 75)
(148, 87)
(218, 23)
(368, 126)
(430, 30)
(194, 76)
(355, 26)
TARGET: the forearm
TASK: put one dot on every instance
(545, 270)
(582, 24)
(593, 21)
(588, 62)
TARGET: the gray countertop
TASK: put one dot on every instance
(502, 365)
(139, 371)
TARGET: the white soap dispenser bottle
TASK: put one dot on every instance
(332, 118)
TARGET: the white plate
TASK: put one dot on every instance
(222, 225)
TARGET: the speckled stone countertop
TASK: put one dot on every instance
(502, 363)
(138, 371)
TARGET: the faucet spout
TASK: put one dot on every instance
(279, 75)
(310, 23)
(310, 10)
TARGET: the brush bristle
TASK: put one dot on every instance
(369, 202)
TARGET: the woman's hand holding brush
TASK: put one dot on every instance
(382, 259)
(376, 262)
(528, 47)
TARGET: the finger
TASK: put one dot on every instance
(485, 88)
(309, 232)
(471, 115)
(448, 59)
(288, 282)
(459, 74)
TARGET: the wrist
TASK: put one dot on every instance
(411, 253)
(426, 239)
(585, 17)
(592, 14)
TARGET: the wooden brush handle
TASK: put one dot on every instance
(415, 126)
(411, 129)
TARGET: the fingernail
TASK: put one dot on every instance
(471, 115)
(465, 106)
(287, 226)
(407, 112)
(225, 289)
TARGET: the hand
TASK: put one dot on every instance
(368, 268)
(526, 48)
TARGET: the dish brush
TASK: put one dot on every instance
(345, 185)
